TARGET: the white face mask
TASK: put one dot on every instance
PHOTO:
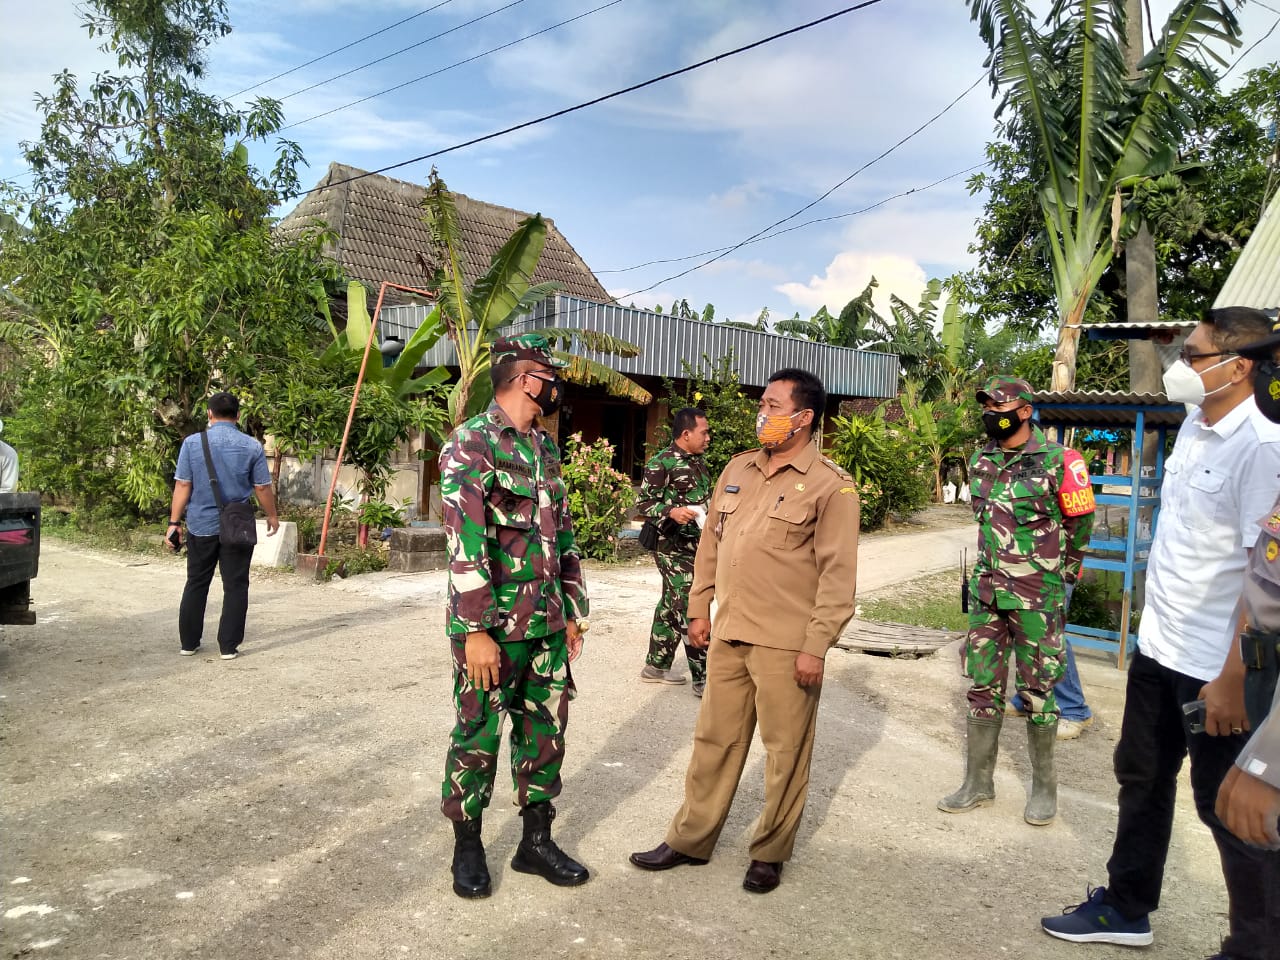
(1184, 385)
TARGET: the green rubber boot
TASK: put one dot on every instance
(1042, 806)
(979, 787)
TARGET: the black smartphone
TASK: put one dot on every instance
(175, 538)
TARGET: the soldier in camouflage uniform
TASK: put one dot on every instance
(517, 611)
(1034, 506)
(676, 486)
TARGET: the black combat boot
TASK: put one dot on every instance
(539, 854)
(470, 872)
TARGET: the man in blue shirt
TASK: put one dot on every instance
(242, 470)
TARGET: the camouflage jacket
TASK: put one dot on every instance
(1034, 507)
(514, 566)
(673, 479)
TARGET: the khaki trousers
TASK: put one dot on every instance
(746, 682)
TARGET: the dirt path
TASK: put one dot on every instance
(285, 804)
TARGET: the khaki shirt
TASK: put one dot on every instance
(779, 554)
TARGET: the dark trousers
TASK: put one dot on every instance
(203, 555)
(1154, 737)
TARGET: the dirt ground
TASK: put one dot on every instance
(285, 804)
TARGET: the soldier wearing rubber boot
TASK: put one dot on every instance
(517, 613)
(1034, 506)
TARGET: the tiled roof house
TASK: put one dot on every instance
(382, 234)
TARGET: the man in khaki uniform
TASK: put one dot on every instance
(779, 555)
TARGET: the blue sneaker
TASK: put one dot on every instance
(1096, 922)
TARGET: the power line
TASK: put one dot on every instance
(601, 99)
(435, 73)
(1255, 43)
(569, 315)
(813, 203)
(806, 223)
(345, 46)
(396, 53)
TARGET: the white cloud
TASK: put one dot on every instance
(847, 276)
(737, 197)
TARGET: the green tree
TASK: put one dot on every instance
(852, 328)
(942, 432)
(714, 387)
(886, 464)
(474, 313)
(146, 257)
(1200, 217)
(1096, 131)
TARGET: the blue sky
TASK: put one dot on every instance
(695, 163)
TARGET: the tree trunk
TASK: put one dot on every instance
(1064, 357)
(1141, 291)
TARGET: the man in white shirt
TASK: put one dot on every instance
(1219, 480)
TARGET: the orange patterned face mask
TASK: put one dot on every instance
(772, 431)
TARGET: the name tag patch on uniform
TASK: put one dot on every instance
(732, 488)
(514, 466)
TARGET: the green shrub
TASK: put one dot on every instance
(378, 514)
(887, 465)
(599, 496)
(349, 560)
(714, 388)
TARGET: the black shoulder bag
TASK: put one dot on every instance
(237, 526)
(648, 535)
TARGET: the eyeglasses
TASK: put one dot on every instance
(1189, 357)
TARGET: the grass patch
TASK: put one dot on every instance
(932, 601)
(102, 532)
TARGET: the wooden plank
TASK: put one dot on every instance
(894, 639)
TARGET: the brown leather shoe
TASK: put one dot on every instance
(663, 857)
(762, 876)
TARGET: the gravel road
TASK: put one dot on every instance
(285, 804)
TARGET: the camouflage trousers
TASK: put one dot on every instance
(1035, 640)
(670, 618)
(534, 687)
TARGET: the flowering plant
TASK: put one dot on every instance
(599, 496)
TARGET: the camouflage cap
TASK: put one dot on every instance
(1005, 389)
(527, 346)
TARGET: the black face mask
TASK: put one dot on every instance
(1266, 390)
(1002, 424)
(550, 396)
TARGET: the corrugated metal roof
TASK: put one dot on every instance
(1255, 279)
(1158, 328)
(665, 341)
(1107, 407)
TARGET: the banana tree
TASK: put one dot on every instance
(1098, 131)
(472, 315)
(350, 342)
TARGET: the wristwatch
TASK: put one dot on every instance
(583, 625)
